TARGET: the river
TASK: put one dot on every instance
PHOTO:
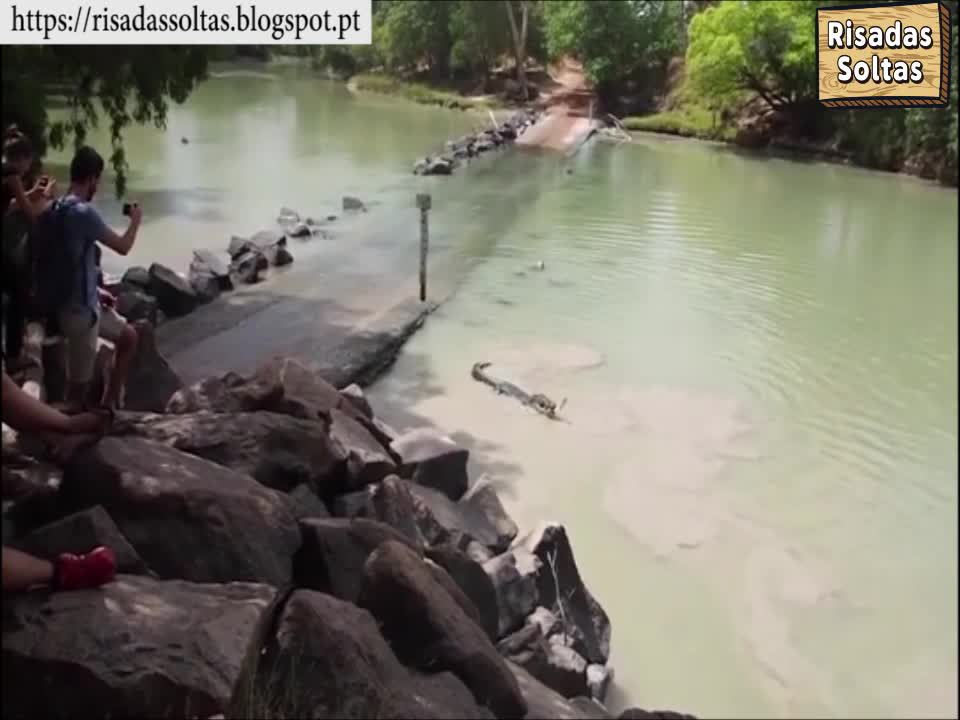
(758, 468)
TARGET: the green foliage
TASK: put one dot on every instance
(414, 33)
(123, 84)
(764, 47)
(689, 121)
(416, 92)
(613, 38)
(480, 33)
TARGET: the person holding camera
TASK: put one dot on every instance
(21, 209)
(85, 311)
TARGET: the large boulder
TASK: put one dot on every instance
(483, 500)
(307, 394)
(204, 285)
(353, 395)
(389, 502)
(278, 451)
(136, 304)
(137, 276)
(367, 460)
(514, 577)
(427, 628)
(207, 262)
(546, 703)
(599, 678)
(354, 204)
(247, 266)
(133, 648)
(433, 460)
(558, 573)
(151, 382)
(306, 504)
(187, 518)
(327, 659)
(550, 661)
(465, 516)
(173, 292)
(228, 394)
(473, 582)
(334, 553)
(79, 533)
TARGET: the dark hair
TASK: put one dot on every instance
(16, 145)
(86, 164)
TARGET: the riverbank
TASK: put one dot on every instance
(296, 557)
(421, 93)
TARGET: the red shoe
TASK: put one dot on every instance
(76, 572)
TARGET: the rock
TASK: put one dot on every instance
(548, 623)
(484, 145)
(389, 502)
(23, 476)
(288, 215)
(204, 285)
(300, 230)
(427, 629)
(352, 203)
(333, 553)
(473, 582)
(278, 451)
(187, 518)
(591, 708)
(599, 678)
(546, 703)
(228, 394)
(434, 461)
(80, 533)
(638, 714)
(174, 294)
(306, 393)
(208, 262)
(134, 648)
(355, 397)
(483, 499)
(420, 166)
(306, 504)
(248, 266)
(462, 516)
(367, 461)
(137, 305)
(439, 166)
(582, 612)
(444, 580)
(279, 256)
(268, 238)
(551, 662)
(138, 276)
(333, 654)
(239, 246)
(151, 382)
(508, 132)
(514, 577)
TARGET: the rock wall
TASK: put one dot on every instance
(284, 553)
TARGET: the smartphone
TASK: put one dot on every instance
(127, 207)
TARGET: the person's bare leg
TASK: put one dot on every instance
(126, 348)
(22, 571)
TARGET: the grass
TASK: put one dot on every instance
(416, 92)
(686, 121)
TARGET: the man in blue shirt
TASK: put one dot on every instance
(90, 312)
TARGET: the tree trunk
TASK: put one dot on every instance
(519, 42)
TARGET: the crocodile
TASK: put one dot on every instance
(539, 402)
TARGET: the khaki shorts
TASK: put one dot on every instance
(80, 329)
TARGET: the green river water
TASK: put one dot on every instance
(758, 356)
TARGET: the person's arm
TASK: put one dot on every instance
(20, 199)
(25, 413)
(121, 244)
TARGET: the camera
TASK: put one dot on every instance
(127, 207)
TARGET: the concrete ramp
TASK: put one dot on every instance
(559, 130)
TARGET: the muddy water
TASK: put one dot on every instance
(758, 463)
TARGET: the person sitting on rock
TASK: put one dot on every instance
(89, 312)
(69, 571)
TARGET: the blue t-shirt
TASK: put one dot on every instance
(83, 228)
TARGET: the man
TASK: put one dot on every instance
(68, 571)
(90, 311)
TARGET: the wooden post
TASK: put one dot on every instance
(424, 203)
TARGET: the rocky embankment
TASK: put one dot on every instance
(470, 146)
(284, 553)
(158, 292)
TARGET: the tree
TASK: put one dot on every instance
(762, 47)
(614, 38)
(480, 33)
(414, 33)
(519, 31)
(126, 84)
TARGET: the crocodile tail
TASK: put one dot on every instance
(478, 369)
